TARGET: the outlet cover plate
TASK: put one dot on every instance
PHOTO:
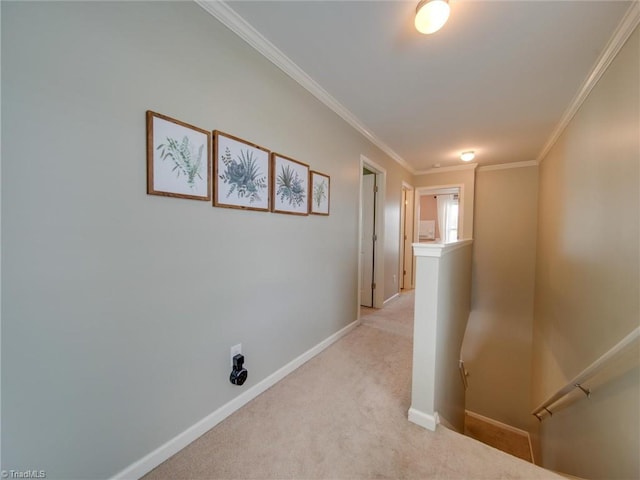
(235, 350)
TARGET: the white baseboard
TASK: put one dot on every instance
(497, 423)
(504, 426)
(430, 422)
(177, 443)
(391, 298)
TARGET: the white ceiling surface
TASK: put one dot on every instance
(496, 79)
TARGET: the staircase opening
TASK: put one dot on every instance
(498, 435)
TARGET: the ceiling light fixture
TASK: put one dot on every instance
(467, 156)
(431, 15)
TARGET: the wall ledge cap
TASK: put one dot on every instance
(438, 249)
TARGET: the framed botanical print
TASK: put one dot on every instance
(319, 193)
(290, 185)
(241, 173)
(178, 158)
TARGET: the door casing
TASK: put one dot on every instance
(406, 238)
(378, 249)
(367, 257)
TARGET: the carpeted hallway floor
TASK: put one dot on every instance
(343, 415)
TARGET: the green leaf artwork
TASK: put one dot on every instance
(185, 160)
(243, 175)
(290, 186)
(320, 192)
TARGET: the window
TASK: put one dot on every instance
(451, 219)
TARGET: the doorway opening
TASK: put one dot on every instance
(368, 238)
(438, 214)
(405, 273)
(371, 238)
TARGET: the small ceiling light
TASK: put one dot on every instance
(431, 15)
(467, 156)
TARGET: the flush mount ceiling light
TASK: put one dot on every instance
(467, 156)
(431, 15)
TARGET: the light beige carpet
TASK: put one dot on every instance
(343, 415)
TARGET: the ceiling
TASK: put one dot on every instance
(497, 79)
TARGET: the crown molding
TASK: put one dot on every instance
(238, 25)
(503, 166)
(455, 168)
(625, 28)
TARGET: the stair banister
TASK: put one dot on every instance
(579, 380)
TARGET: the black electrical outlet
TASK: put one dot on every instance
(239, 374)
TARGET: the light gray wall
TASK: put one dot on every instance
(119, 308)
(497, 344)
(424, 335)
(393, 201)
(454, 303)
(442, 303)
(587, 275)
